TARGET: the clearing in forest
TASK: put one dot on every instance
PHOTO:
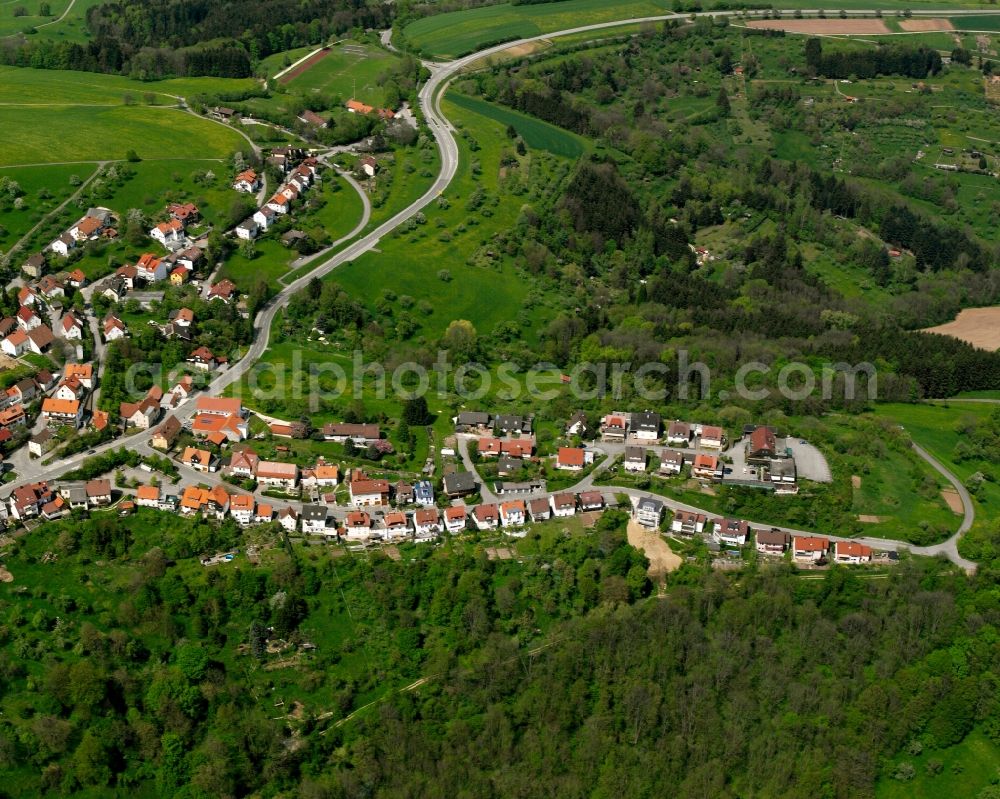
(979, 327)
(662, 559)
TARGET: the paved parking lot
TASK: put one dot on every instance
(810, 463)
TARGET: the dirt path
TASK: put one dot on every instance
(662, 559)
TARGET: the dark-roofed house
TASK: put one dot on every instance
(646, 426)
(458, 484)
(472, 421)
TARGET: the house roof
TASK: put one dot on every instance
(704, 461)
(224, 288)
(762, 438)
(88, 226)
(369, 487)
(169, 429)
(591, 498)
(220, 405)
(455, 512)
(485, 512)
(537, 506)
(810, 544)
(84, 371)
(772, 537)
(426, 516)
(852, 549)
(571, 456)
(100, 420)
(192, 455)
(98, 488)
(710, 431)
(17, 338)
(358, 518)
(148, 492)
(60, 407)
(277, 470)
(41, 336)
(564, 500)
(238, 502)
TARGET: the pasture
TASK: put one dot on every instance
(349, 70)
(966, 768)
(9, 24)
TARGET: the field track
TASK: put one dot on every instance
(306, 65)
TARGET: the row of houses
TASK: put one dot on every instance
(97, 223)
(482, 423)
(737, 532)
(298, 179)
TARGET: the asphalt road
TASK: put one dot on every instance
(430, 96)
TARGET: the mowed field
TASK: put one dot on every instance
(346, 69)
(536, 133)
(980, 327)
(459, 32)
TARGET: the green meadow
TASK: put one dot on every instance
(81, 133)
(272, 260)
(22, 86)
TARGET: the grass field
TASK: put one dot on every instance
(80, 133)
(349, 70)
(966, 769)
(458, 32)
(536, 133)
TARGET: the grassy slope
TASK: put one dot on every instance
(78, 133)
(54, 179)
(20, 85)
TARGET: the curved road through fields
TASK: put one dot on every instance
(430, 99)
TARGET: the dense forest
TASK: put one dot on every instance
(630, 215)
(557, 674)
(911, 62)
(154, 39)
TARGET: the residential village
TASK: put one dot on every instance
(218, 472)
(492, 477)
